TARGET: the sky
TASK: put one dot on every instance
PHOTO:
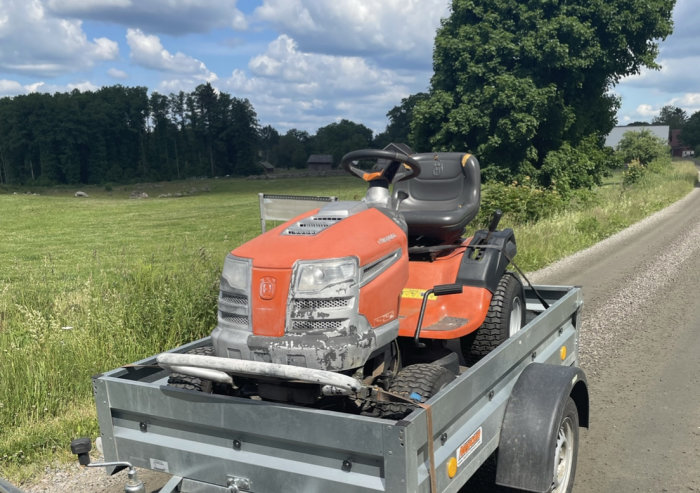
(302, 63)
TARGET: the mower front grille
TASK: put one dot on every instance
(312, 326)
(233, 308)
(323, 303)
(240, 320)
(234, 300)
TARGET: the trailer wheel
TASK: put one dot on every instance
(566, 451)
(182, 381)
(417, 382)
(506, 316)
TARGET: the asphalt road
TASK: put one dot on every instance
(641, 350)
(640, 347)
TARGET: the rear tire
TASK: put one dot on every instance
(506, 316)
(416, 382)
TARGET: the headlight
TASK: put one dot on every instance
(314, 276)
(237, 272)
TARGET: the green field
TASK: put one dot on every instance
(89, 284)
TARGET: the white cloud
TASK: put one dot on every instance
(688, 100)
(148, 51)
(647, 110)
(293, 88)
(675, 75)
(115, 73)
(14, 88)
(37, 44)
(83, 86)
(397, 31)
(161, 16)
(11, 87)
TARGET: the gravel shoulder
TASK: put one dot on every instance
(639, 347)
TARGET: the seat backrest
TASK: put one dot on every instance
(443, 199)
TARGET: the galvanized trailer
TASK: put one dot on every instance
(513, 400)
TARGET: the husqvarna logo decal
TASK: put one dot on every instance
(268, 286)
(437, 168)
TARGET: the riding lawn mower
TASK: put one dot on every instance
(367, 306)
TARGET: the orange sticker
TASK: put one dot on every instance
(469, 446)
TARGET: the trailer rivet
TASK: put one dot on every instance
(237, 444)
(347, 465)
(143, 426)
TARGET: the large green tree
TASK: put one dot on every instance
(690, 135)
(516, 79)
(672, 116)
(342, 137)
(400, 117)
(294, 148)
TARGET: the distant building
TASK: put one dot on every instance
(394, 147)
(616, 134)
(267, 167)
(399, 147)
(320, 162)
(678, 149)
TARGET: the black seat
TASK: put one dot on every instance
(443, 199)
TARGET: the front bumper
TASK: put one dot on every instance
(343, 348)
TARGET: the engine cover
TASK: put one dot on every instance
(323, 290)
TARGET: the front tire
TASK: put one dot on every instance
(506, 316)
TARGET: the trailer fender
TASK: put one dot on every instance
(531, 423)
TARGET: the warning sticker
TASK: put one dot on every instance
(159, 465)
(469, 446)
(416, 294)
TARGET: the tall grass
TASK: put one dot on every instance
(87, 285)
(590, 219)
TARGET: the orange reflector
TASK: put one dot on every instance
(562, 353)
(452, 467)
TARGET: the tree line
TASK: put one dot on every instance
(524, 85)
(117, 134)
(120, 134)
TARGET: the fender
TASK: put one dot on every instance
(531, 422)
(486, 259)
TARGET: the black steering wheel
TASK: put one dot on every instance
(401, 166)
